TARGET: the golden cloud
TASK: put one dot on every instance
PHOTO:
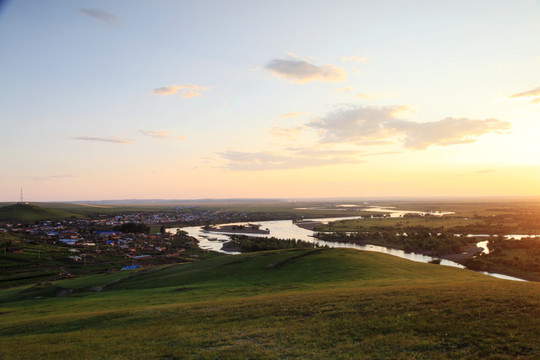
(186, 90)
(301, 72)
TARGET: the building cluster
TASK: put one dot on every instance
(101, 235)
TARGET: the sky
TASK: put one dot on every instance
(132, 99)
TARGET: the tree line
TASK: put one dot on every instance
(132, 228)
(410, 239)
(251, 244)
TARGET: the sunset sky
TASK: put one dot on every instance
(291, 99)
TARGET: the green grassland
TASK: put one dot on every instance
(431, 222)
(43, 261)
(40, 260)
(29, 213)
(111, 210)
(299, 303)
(265, 210)
(278, 209)
(486, 217)
(286, 209)
(467, 207)
(60, 210)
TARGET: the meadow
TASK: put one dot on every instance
(263, 208)
(299, 303)
(469, 217)
(29, 213)
(289, 303)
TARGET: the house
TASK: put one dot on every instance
(68, 241)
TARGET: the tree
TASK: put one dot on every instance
(132, 227)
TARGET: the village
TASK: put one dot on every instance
(110, 242)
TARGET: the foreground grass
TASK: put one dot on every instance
(318, 304)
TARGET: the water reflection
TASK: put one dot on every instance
(286, 229)
(390, 210)
(483, 244)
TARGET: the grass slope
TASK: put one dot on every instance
(28, 213)
(303, 303)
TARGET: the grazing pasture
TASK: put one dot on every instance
(299, 303)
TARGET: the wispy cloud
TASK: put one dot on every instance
(343, 89)
(301, 71)
(533, 95)
(358, 59)
(341, 137)
(161, 134)
(448, 131)
(186, 90)
(288, 133)
(260, 161)
(65, 176)
(110, 139)
(290, 115)
(190, 94)
(50, 177)
(474, 173)
(101, 15)
(325, 153)
(529, 93)
(356, 124)
(360, 125)
(292, 55)
(375, 96)
(384, 153)
(481, 172)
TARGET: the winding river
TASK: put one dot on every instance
(286, 229)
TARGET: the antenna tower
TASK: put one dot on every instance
(21, 200)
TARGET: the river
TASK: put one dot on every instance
(286, 229)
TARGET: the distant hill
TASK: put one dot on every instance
(28, 213)
(123, 202)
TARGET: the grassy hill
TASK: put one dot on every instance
(303, 303)
(28, 213)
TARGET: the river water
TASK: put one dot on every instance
(286, 229)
